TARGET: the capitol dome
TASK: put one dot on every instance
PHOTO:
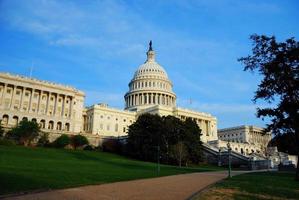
(150, 86)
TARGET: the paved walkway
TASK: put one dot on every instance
(165, 188)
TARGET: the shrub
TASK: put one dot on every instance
(112, 146)
(25, 132)
(62, 141)
(79, 141)
(43, 140)
(88, 148)
(7, 142)
(1, 130)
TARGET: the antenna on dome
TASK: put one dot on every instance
(150, 45)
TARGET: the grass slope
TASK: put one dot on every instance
(255, 186)
(24, 169)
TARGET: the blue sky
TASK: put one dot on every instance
(96, 46)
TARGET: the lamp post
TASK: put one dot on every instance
(229, 159)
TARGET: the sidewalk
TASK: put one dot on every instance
(165, 188)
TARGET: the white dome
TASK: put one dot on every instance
(150, 68)
(150, 86)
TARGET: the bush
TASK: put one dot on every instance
(79, 141)
(7, 142)
(43, 140)
(62, 141)
(112, 146)
(88, 148)
(25, 132)
(1, 130)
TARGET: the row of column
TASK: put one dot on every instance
(39, 102)
(149, 98)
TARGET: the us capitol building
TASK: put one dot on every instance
(60, 109)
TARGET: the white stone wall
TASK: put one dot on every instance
(55, 107)
(246, 134)
(105, 121)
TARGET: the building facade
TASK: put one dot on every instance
(60, 109)
(150, 91)
(243, 139)
(55, 107)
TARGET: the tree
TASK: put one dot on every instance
(176, 140)
(144, 137)
(25, 132)
(179, 152)
(192, 141)
(278, 64)
(79, 141)
(62, 141)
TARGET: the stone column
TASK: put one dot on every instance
(55, 104)
(70, 108)
(39, 99)
(22, 98)
(3, 95)
(63, 106)
(142, 98)
(48, 102)
(30, 101)
(12, 97)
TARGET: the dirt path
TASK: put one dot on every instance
(168, 188)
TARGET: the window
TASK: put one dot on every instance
(35, 95)
(59, 100)
(52, 98)
(18, 92)
(8, 91)
(108, 127)
(26, 94)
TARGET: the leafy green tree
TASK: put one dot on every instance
(25, 132)
(179, 152)
(192, 140)
(278, 64)
(144, 137)
(62, 141)
(79, 141)
(177, 141)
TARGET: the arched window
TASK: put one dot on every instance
(15, 120)
(59, 126)
(33, 119)
(5, 119)
(67, 126)
(25, 119)
(42, 123)
(51, 125)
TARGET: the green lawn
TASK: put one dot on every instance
(255, 186)
(25, 169)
